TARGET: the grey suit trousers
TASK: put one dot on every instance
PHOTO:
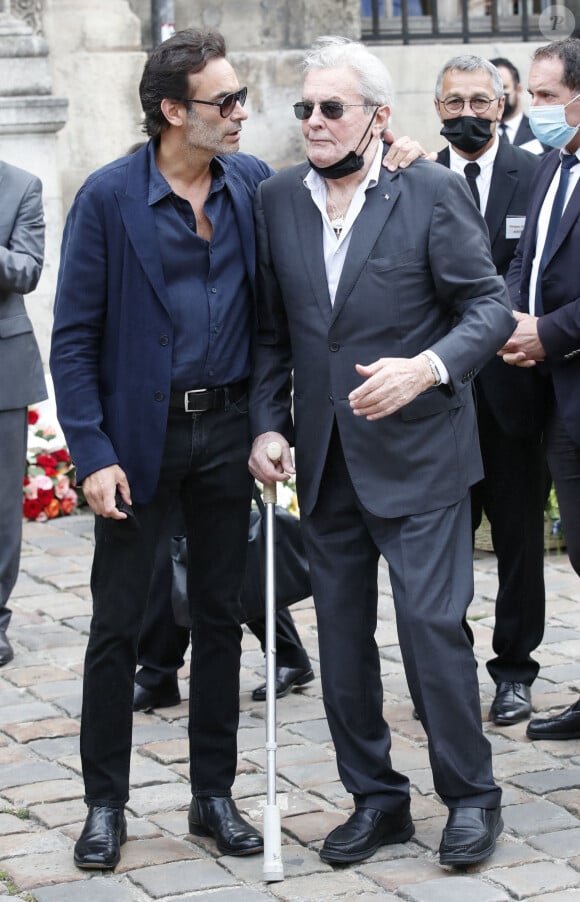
(13, 436)
(431, 570)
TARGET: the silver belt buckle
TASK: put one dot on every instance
(192, 391)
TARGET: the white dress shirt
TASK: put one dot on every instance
(485, 163)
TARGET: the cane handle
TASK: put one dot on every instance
(274, 452)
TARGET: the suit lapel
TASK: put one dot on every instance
(379, 204)
(309, 227)
(545, 176)
(569, 217)
(504, 181)
(139, 222)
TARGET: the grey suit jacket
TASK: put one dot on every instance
(418, 274)
(21, 257)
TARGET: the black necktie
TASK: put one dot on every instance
(471, 172)
(568, 162)
(503, 135)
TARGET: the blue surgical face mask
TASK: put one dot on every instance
(549, 124)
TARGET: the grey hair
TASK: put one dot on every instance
(331, 51)
(469, 63)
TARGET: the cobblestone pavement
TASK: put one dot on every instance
(41, 806)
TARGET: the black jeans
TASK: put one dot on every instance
(205, 470)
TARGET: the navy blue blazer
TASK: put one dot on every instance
(559, 327)
(112, 340)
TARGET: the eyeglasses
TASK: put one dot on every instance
(227, 104)
(477, 104)
(330, 109)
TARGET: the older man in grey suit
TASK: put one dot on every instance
(21, 373)
(378, 289)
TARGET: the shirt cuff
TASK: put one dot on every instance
(441, 368)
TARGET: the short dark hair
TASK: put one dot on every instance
(568, 51)
(166, 72)
(507, 64)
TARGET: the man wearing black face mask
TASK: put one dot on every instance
(364, 296)
(469, 101)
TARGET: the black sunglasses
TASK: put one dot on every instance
(330, 109)
(227, 104)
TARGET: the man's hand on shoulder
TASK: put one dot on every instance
(100, 489)
(403, 151)
(390, 383)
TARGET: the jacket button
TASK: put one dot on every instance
(163, 340)
(159, 396)
(334, 346)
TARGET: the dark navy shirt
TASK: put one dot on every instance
(210, 301)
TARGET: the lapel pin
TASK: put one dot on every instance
(387, 196)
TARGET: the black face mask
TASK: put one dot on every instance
(468, 133)
(351, 163)
(509, 109)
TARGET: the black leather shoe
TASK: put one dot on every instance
(99, 845)
(363, 833)
(218, 816)
(6, 652)
(512, 703)
(147, 699)
(562, 726)
(287, 678)
(470, 835)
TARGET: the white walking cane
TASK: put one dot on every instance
(273, 869)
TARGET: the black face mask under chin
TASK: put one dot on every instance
(468, 133)
(351, 163)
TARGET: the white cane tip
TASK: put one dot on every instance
(274, 451)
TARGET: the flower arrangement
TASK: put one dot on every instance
(49, 483)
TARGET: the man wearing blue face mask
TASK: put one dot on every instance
(545, 292)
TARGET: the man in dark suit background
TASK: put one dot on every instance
(150, 358)
(469, 101)
(545, 292)
(21, 373)
(515, 125)
(384, 320)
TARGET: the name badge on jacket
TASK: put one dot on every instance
(514, 226)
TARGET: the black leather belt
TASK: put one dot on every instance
(200, 400)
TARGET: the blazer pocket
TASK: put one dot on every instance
(15, 325)
(433, 401)
(384, 264)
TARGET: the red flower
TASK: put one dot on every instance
(47, 461)
(45, 496)
(33, 417)
(61, 455)
(32, 507)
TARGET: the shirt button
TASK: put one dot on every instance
(159, 396)
(334, 346)
(214, 290)
(163, 340)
